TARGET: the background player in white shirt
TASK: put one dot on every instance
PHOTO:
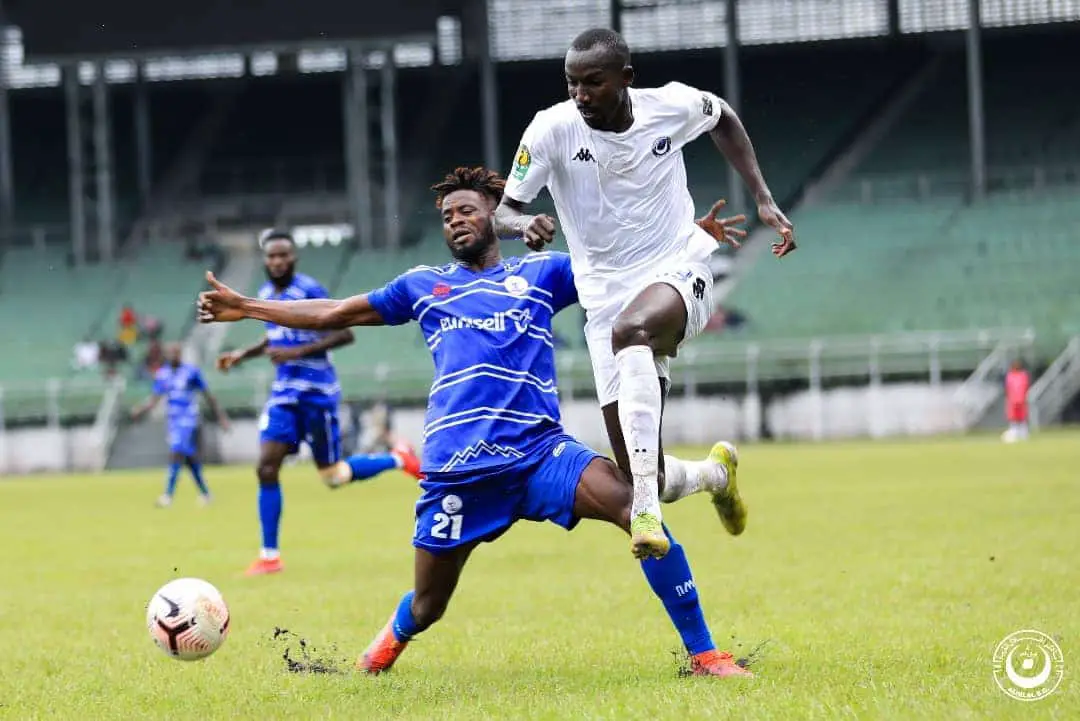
(611, 156)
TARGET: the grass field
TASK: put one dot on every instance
(879, 578)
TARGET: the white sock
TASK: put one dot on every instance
(685, 478)
(639, 416)
(269, 554)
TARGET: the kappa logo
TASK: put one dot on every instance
(441, 290)
(516, 285)
(662, 146)
(584, 155)
(699, 288)
(706, 105)
(452, 504)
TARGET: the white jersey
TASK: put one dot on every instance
(621, 198)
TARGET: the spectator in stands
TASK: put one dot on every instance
(129, 325)
(150, 327)
(86, 353)
(1017, 383)
(112, 354)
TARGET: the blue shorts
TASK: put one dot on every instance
(294, 423)
(183, 439)
(539, 487)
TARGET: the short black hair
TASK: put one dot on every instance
(271, 234)
(483, 181)
(605, 38)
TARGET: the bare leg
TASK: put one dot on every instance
(435, 578)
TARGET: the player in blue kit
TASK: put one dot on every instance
(304, 398)
(181, 384)
(494, 450)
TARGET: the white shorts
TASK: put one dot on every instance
(693, 280)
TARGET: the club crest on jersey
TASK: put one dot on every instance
(451, 504)
(522, 161)
(516, 285)
(441, 290)
(662, 146)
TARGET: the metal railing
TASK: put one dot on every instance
(743, 365)
(107, 421)
(982, 388)
(1058, 385)
(883, 187)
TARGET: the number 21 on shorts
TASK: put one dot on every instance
(447, 526)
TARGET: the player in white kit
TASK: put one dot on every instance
(611, 157)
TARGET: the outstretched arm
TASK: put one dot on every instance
(225, 305)
(731, 138)
(145, 407)
(215, 408)
(231, 359)
(332, 339)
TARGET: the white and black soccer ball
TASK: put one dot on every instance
(187, 619)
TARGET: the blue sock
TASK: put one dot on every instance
(405, 626)
(673, 583)
(196, 473)
(170, 483)
(365, 466)
(270, 515)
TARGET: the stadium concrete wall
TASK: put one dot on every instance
(857, 412)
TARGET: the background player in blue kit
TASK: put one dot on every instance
(494, 450)
(304, 398)
(180, 384)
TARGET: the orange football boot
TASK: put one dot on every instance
(716, 663)
(406, 456)
(383, 651)
(263, 566)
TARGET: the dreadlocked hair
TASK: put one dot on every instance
(484, 181)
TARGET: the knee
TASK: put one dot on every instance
(428, 608)
(628, 330)
(267, 474)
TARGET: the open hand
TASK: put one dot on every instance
(539, 232)
(722, 230)
(220, 305)
(772, 216)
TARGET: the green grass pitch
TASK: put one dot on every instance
(878, 576)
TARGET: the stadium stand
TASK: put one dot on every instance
(1030, 126)
(898, 247)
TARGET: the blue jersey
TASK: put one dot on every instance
(309, 380)
(181, 387)
(494, 396)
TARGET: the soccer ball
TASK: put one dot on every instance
(187, 619)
